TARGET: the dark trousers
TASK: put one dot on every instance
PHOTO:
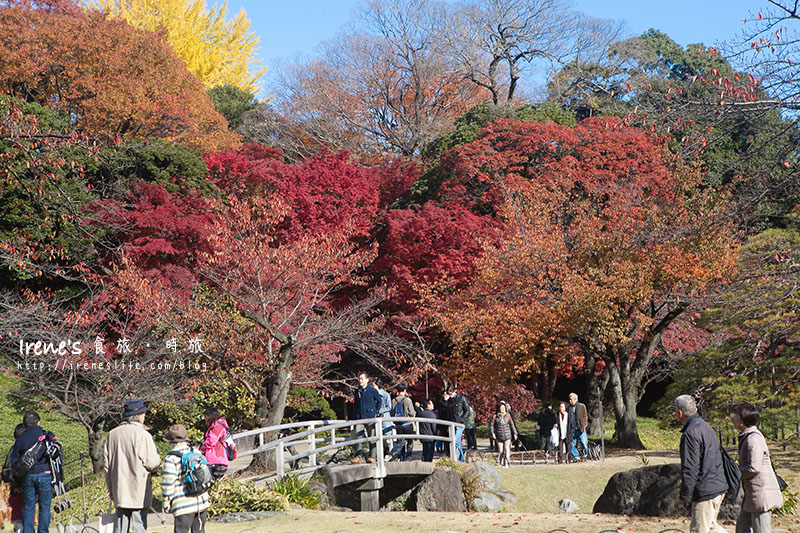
(194, 521)
(428, 447)
(472, 443)
(405, 447)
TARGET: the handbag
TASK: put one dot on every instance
(105, 523)
(781, 483)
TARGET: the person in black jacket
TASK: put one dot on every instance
(702, 477)
(458, 409)
(37, 483)
(367, 404)
(426, 428)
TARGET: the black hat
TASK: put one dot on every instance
(134, 406)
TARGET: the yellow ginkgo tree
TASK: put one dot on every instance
(218, 50)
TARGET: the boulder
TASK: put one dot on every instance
(486, 502)
(441, 491)
(321, 489)
(651, 491)
(507, 497)
(489, 475)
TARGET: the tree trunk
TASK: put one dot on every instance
(96, 450)
(596, 388)
(271, 403)
(625, 397)
(593, 397)
(627, 433)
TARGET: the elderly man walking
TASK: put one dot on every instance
(131, 456)
(577, 420)
(702, 476)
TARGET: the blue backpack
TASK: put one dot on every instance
(398, 409)
(195, 475)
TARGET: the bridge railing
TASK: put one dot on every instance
(335, 435)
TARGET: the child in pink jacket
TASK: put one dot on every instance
(214, 442)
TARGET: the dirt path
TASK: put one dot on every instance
(296, 521)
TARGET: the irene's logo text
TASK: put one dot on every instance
(43, 348)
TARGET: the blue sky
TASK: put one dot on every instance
(291, 28)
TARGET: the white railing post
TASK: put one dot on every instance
(260, 440)
(333, 436)
(453, 450)
(279, 460)
(312, 445)
(379, 444)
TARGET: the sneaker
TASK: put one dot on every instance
(357, 460)
(371, 460)
(388, 457)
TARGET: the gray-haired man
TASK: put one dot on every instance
(702, 477)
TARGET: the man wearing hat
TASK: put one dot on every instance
(189, 511)
(131, 455)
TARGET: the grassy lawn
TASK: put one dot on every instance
(540, 487)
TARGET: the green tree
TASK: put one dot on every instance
(755, 356)
(232, 103)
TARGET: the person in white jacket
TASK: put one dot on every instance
(561, 423)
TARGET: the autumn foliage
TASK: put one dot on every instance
(604, 245)
(110, 78)
(218, 51)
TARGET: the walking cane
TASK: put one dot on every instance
(83, 487)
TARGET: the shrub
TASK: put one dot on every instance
(233, 496)
(789, 506)
(297, 491)
(303, 403)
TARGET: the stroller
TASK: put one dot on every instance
(53, 451)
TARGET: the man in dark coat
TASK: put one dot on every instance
(458, 410)
(367, 404)
(37, 483)
(702, 477)
(426, 428)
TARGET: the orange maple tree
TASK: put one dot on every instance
(605, 246)
(110, 78)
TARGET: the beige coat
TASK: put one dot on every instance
(130, 456)
(761, 492)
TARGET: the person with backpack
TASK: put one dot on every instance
(130, 458)
(31, 466)
(703, 480)
(402, 406)
(762, 493)
(189, 510)
(548, 438)
(504, 431)
(214, 446)
(14, 487)
(469, 430)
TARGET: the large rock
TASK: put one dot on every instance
(489, 475)
(650, 491)
(507, 497)
(321, 489)
(441, 491)
(486, 502)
